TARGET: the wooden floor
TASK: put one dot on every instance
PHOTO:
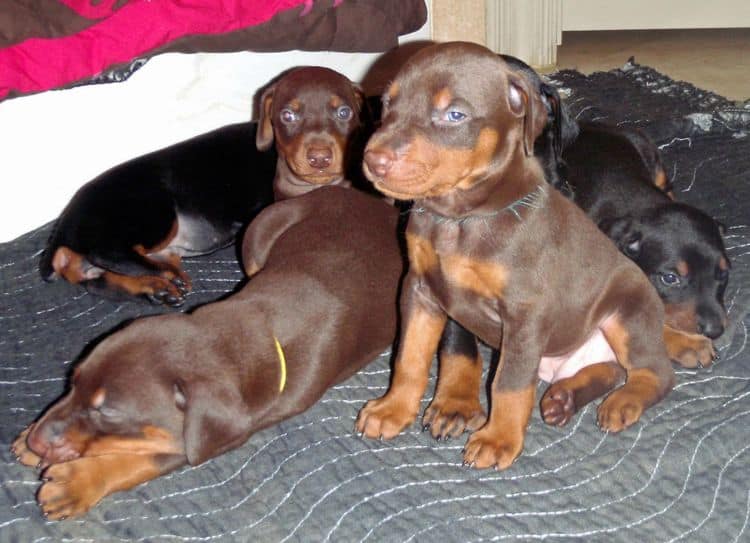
(714, 59)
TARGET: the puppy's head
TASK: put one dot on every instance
(140, 391)
(681, 251)
(455, 116)
(311, 113)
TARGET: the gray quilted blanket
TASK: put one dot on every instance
(681, 474)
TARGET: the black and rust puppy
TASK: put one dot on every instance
(617, 177)
(125, 232)
(175, 389)
(494, 247)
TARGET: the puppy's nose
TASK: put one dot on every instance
(379, 161)
(712, 328)
(319, 157)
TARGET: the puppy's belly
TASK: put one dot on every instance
(594, 350)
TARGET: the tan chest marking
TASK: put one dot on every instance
(487, 279)
(422, 255)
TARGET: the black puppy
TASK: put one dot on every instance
(191, 197)
(617, 178)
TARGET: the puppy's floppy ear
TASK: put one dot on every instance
(264, 134)
(215, 417)
(527, 104)
(625, 232)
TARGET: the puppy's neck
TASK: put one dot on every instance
(286, 184)
(517, 187)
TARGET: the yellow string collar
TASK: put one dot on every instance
(282, 363)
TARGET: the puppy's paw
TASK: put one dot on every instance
(384, 418)
(70, 489)
(558, 405)
(451, 417)
(486, 449)
(692, 350)
(619, 410)
(21, 450)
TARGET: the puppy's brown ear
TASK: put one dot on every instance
(264, 134)
(215, 417)
(524, 103)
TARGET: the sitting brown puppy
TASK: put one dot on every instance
(492, 246)
(179, 389)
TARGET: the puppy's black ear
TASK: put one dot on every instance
(215, 417)
(625, 232)
(722, 227)
(552, 97)
(264, 134)
(527, 104)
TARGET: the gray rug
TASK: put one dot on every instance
(681, 474)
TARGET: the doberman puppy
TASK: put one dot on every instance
(491, 245)
(124, 233)
(179, 389)
(617, 177)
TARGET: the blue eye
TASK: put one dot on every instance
(344, 113)
(289, 116)
(454, 116)
(670, 279)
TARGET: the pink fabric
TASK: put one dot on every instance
(136, 28)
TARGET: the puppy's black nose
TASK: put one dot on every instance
(379, 161)
(712, 328)
(319, 157)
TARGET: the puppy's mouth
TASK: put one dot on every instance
(407, 185)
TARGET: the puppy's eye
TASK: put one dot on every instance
(670, 279)
(289, 116)
(453, 116)
(344, 113)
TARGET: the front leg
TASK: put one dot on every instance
(21, 450)
(72, 488)
(499, 442)
(422, 325)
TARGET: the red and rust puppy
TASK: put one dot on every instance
(125, 233)
(312, 126)
(179, 389)
(491, 245)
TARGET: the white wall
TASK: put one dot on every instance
(53, 142)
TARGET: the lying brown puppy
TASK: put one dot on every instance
(176, 389)
(494, 247)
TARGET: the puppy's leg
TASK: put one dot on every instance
(689, 350)
(21, 450)
(455, 406)
(564, 398)
(636, 337)
(422, 326)
(72, 488)
(499, 442)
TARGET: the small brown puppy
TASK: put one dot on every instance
(312, 113)
(179, 389)
(496, 249)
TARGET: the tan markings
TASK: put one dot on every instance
(723, 264)
(618, 338)
(422, 255)
(487, 279)
(98, 397)
(688, 349)
(393, 90)
(660, 179)
(456, 406)
(335, 101)
(625, 405)
(386, 417)
(68, 264)
(500, 441)
(154, 441)
(442, 98)
(145, 284)
(294, 104)
(483, 151)
(72, 488)
(681, 317)
(21, 450)
(682, 268)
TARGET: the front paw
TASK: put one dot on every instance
(485, 449)
(695, 350)
(558, 405)
(619, 410)
(452, 417)
(384, 418)
(69, 490)
(21, 450)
